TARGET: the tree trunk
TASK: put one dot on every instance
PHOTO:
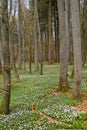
(1, 51)
(67, 29)
(6, 53)
(63, 82)
(77, 48)
(40, 41)
(50, 33)
(56, 26)
(35, 37)
(19, 31)
(85, 33)
(30, 56)
(13, 58)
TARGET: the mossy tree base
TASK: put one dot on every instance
(63, 85)
(76, 97)
(2, 112)
(72, 73)
(63, 89)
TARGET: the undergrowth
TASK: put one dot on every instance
(37, 89)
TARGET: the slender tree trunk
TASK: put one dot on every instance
(40, 41)
(56, 25)
(46, 46)
(41, 52)
(85, 33)
(77, 48)
(50, 34)
(70, 38)
(13, 58)
(19, 31)
(30, 41)
(30, 57)
(1, 51)
(6, 52)
(67, 29)
(63, 82)
(24, 52)
(35, 37)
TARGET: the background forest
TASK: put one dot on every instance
(43, 63)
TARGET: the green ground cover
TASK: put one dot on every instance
(37, 89)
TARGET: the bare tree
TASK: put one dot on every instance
(63, 82)
(77, 48)
(19, 31)
(85, 33)
(35, 36)
(49, 33)
(6, 56)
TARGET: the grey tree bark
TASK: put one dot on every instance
(77, 48)
(1, 50)
(40, 42)
(50, 33)
(35, 36)
(85, 33)
(6, 55)
(67, 29)
(19, 31)
(63, 82)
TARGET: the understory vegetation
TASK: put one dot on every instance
(52, 110)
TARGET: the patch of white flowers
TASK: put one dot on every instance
(20, 120)
(62, 112)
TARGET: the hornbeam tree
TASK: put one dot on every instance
(77, 47)
(6, 56)
(35, 36)
(63, 82)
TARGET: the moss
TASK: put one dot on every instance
(74, 97)
(2, 112)
(63, 89)
(72, 73)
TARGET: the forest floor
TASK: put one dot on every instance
(36, 103)
(82, 105)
